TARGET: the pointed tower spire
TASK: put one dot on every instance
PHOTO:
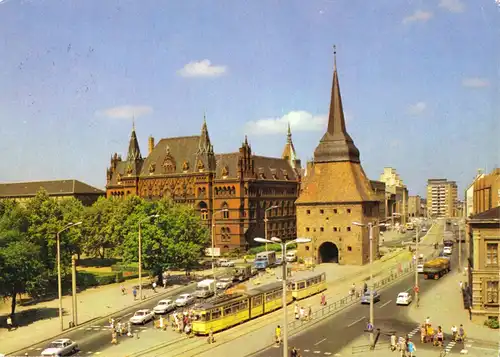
(289, 134)
(289, 153)
(134, 152)
(204, 145)
(336, 145)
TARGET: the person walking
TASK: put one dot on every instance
(10, 325)
(296, 311)
(323, 299)
(154, 286)
(122, 288)
(134, 292)
(411, 348)
(309, 313)
(293, 352)
(277, 335)
(393, 342)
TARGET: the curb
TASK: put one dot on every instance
(86, 323)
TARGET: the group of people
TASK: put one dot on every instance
(119, 329)
(352, 290)
(301, 313)
(404, 345)
(182, 321)
(436, 336)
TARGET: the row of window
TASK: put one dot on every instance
(273, 295)
(334, 229)
(335, 211)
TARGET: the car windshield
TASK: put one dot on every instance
(56, 345)
(402, 295)
(368, 293)
(259, 259)
(162, 303)
(139, 313)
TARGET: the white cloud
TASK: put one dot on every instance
(475, 82)
(417, 108)
(299, 121)
(125, 111)
(418, 15)
(452, 5)
(202, 68)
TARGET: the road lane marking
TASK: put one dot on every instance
(317, 352)
(328, 353)
(408, 290)
(317, 343)
(128, 314)
(31, 348)
(39, 348)
(355, 322)
(89, 352)
(385, 304)
(306, 350)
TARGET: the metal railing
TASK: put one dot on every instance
(331, 308)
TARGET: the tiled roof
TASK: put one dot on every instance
(336, 182)
(54, 188)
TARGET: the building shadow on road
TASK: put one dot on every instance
(27, 317)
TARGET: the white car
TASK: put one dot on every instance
(224, 283)
(184, 299)
(142, 317)
(447, 250)
(226, 263)
(61, 347)
(164, 306)
(404, 299)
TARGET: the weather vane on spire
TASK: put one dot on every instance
(133, 122)
(335, 56)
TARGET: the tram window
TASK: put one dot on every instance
(235, 307)
(227, 310)
(302, 285)
(269, 297)
(257, 300)
(244, 305)
(216, 314)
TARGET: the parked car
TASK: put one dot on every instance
(226, 263)
(61, 347)
(365, 299)
(142, 317)
(404, 298)
(184, 300)
(447, 250)
(224, 283)
(164, 306)
(424, 229)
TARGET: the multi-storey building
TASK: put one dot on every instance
(56, 189)
(334, 194)
(234, 189)
(487, 192)
(396, 204)
(415, 206)
(483, 272)
(469, 195)
(441, 198)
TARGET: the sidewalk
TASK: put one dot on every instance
(41, 321)
(256, 334)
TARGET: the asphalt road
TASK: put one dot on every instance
(93, 336)
(330, 336)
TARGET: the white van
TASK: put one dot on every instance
(291, 257)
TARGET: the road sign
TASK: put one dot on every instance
(416, 289)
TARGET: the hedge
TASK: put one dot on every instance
(97, 262)
(133, 267)
(86, 279)
(274, 247)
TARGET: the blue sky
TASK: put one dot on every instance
(419, 80)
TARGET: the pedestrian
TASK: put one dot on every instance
(129, 329)
(323, 299)
(423, 333)
(461, 285)
(411, 348)
(296, 311)
(134, 292)
(154, 286)
(10, 325)
(164, 282)
(427, 321)
(302, 313)
(211, 338)
(293, 352)
(393, 342)
(114, 341)
(309, 313)
(277, 335)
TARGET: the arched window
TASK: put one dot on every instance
(225, 214)
(202, 206)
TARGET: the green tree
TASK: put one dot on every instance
(176, 238)
(72, 211)
(20, 261)
(99, 226)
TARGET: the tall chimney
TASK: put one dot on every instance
(151, 144)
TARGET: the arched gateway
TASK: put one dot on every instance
(328, 253)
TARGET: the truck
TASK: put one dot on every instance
(265, 260)
(205, 289)
(436, 268)
(242, 272)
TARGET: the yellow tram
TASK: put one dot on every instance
(307, 284)
(229, 310)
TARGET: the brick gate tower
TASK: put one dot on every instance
(335, 193)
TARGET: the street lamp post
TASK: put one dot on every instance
(284, 280)
(140, 251)
(265, 224)
(213, 238)
(459, 248)
(370, 230)
(59, 284)
(417, 228)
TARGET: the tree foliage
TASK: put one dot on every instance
(176, 238)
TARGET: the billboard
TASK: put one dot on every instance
(208, 252)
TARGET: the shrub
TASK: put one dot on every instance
(97, 262)
(492, 323)
(85, 279)
(125, 267)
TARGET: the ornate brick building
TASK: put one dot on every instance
(335, 193)
(187, 170)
